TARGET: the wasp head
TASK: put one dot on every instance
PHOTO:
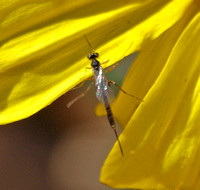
(93, 56)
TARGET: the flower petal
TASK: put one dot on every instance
(43, 51)
(161, 140)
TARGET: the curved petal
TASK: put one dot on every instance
(161, 140)
(43, 51)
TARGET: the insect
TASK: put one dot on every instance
(102, 84)
(102, 90)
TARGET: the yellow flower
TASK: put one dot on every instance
(162, 136)
(43, 49)
(43, 55)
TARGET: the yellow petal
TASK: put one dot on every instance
(161, 140)
(43, 51)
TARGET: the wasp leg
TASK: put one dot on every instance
(80, 96)
(82, 83)
(114, 83)
(112, 67)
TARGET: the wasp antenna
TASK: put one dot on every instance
(89, 44)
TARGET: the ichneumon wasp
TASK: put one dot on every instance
(102, 90)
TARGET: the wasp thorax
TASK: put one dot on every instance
(95, 64)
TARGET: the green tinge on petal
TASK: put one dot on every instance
(161, 140)
(43, 50)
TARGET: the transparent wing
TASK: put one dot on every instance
(102, 85)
